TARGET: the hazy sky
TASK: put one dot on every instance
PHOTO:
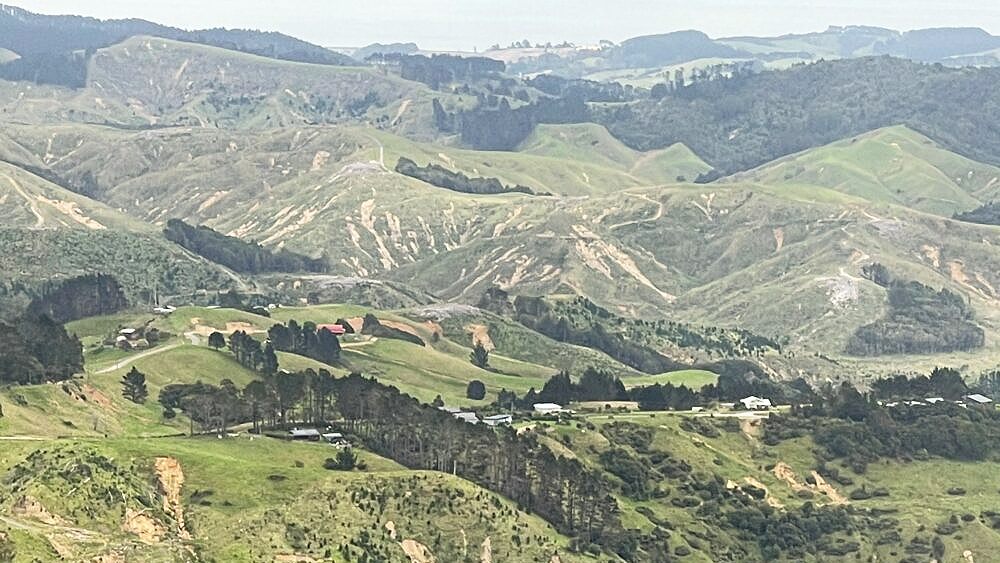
(454, 24)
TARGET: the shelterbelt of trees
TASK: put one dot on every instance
(236, 254)
(456, 181)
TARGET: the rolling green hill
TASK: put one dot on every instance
(618, 260)
(147, 81)
(178, 498)
(893, 165)
(29, 201)
(780, 256)
(51, 233)
(589, 142)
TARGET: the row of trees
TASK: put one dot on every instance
(456, 181)
(273, 401)
(597, 385)
(574, 498)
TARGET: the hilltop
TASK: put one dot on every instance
(150, 81)
(892, 165)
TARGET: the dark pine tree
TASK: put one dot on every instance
(134, 386)
(480, 356)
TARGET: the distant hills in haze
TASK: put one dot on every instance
(55, 49)
(644, 60)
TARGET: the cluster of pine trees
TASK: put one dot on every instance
(251, 355)
(84, 296)
(456, 181)
(590, 90)
(305, 340)
(274, 401)
(920, 321)
(438, 70)
(35, 349)
(504, 127)
(986, 214)
(238, 255)
(64, 69)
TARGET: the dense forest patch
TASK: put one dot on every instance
(36, 349)
(456, 181)
(920, 321)
(987, 214)
(241, 256)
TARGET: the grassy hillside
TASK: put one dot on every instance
(51, 233)
(146, 265)
(147, 81)
(893, 165)
(781, 256)
(732, 452)
(228, 491)
(29, 201)
(589, 142)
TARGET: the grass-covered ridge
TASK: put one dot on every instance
(230, 488)
(894, 164)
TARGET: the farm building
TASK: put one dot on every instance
(977, 399)
(752, 403)
(337, 329)
(469, 417)
(498, 420)
(304, 434)
(548, 408)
